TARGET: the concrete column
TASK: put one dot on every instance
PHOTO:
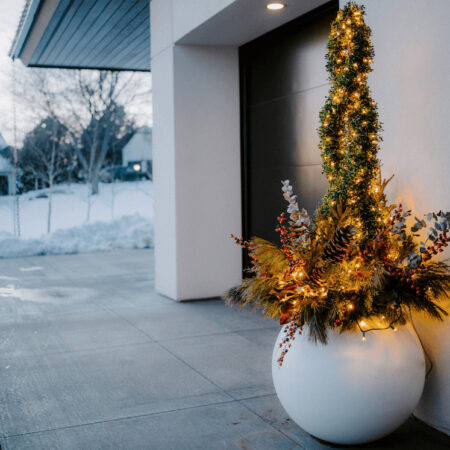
(196, 151)
(207, 160)
(164, 175)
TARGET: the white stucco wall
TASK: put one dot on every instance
(196, 155)
(188, 15)
(410, 83)
(208, 191)
(164, 171)
(173, 19)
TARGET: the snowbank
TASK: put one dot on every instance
(71, 204)
(127, 232)
(121, 216)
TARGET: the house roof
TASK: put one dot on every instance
(3, 143)
(84, 34)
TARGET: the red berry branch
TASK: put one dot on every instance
(290, 330)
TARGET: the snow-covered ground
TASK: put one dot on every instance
(121, 216)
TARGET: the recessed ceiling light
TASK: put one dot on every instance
(275, 6)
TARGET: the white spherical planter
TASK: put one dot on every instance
(351, 391)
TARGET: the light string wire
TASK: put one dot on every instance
(391, 325)
(427, 356)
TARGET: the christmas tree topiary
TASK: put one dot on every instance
(349, 124)
(356, 265)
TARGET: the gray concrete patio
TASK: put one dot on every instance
(92, 358)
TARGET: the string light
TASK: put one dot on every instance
(391, 325)
(353, 100)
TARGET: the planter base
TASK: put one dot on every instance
(351, 391)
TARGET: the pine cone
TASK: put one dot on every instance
(316, 276)
(333, 252)
(336, 248)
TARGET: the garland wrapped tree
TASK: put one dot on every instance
(356, 264)
(349, 123)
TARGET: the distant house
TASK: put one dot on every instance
(7, 183)
(137, 153)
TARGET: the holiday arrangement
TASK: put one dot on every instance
(358, 257)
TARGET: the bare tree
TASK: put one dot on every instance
(46, 156)
(96, 102)
(97, 98)
(33, 88)
(91, 105)
(43, 153)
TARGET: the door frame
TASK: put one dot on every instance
(244, 57)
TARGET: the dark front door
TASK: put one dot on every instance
(283, 87)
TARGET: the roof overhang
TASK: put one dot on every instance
(84, 34)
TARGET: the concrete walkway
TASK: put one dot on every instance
(92, 358)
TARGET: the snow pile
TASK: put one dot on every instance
(119, 216)
(71, 205)
(127, 232)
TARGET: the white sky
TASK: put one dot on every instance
(10, 11)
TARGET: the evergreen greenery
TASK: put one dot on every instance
(349, 131)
